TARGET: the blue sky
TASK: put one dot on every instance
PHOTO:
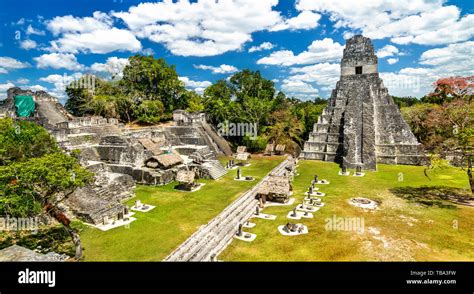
(298, 44)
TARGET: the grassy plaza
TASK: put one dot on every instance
(177, 215)
(420, 228)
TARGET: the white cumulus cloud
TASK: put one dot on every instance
(71, 24)
(452, 55)
(99, 41)
(58, 60)
(261, 47)
(60, 83)
(28, 44)
(90, 34)
(30, 30)
(319, 51)
(304, 21)
(113, 66)
(452, 60)
(294, 87)
(4, 88)
(392, 60)
(202, 28)
(425, 22)
(197, 86)
(8, 63)
(307, 79)
(221, 69)
(36, 88)
(387, 51)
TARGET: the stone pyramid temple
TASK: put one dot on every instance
(362, 126)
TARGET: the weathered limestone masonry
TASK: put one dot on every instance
(48, 110)
(196, 124)
(118, 155)
(210, 240)
(362, 126)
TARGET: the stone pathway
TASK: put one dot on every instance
(211, 239)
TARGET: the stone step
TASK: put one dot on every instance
(196, 243)
(213, 238)
(202, 154)
(325, 137)
(326, 128)
(317, 155)
(215, 169)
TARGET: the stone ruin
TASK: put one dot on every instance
(120, 157)
(362, 126)
(15, 253)
(363, 203)
(276, 188)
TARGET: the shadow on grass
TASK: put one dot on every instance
(441, 196)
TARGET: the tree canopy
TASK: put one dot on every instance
(150, 91)
(444, 121)
(247, 97)
(22, 140)
(35, 174)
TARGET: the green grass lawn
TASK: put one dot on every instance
(177, 215)
(419, 227)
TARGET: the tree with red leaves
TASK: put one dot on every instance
(451, 88)
(456, 114)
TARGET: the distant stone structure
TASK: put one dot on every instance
(17, 253)
(48, 111)
(185, 178)
(193, 126)
(182, 117)
(242, 153)
(269, 149)
(362, 126)
(276, 189)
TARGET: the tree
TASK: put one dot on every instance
(153, 79)
(21, 140)
(308, 113)
(41, 183)
(253, 110)
(103, 100)
(77, 101)
(280, 102)
(421, 119)
(249, 83)
(79, 96)
(453, 120)
(35, 175)
(103, 105)
(149, 111)
(460, 114)
(124, 105)
(405, 101)
(217, 101)
(253, 96)
(450, 88)
(250, 98)
(285, 128)
(194, 102)
(145, 79)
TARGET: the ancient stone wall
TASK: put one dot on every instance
(117, 154)
(362, 126)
